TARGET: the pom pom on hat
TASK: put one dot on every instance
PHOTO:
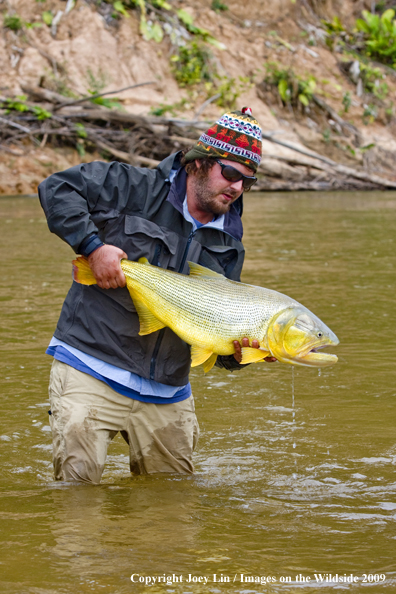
(235, 136)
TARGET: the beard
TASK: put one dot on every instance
(212, 201)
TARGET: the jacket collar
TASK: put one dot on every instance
(232, 220)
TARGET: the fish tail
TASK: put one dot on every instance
(82, 272)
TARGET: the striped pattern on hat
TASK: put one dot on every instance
(235, 136)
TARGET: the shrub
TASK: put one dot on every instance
(192, 64)
(380, 35)
(292, 89)
(13, 22)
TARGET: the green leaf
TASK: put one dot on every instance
(80, 129)
(151, 31)
(119, 7)
(304, 99)
(361, 25)
(185, 17)
(47, 17)
(216, 43)
(284, 91)
(161, 4)
(41, 113)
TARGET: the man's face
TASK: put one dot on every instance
(215, 194)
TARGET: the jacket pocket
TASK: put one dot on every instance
(222, 259)
(145, 239)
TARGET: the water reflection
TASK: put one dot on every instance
(294, 475)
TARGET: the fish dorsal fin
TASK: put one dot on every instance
(198, 270)
(144, 261)
(148, 322)
(207, 366)
(250, 355)
(199, 355)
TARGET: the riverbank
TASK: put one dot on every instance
(326, 109)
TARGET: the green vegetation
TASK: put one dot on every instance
(47, 17)
(374, 35)
(96, 85)
(80, 129)
(228, 90)
(190, 59)
(370, 114)
(372, 79)
(16, 104)
(347, 101)
(19, 104)
(379, 35)
(172, 108)
(192, 64)
(13, 22)
(218, 6)
(292, 89)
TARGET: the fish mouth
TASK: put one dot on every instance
(318, 359)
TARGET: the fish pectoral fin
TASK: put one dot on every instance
(198, 270)
(207, 366)
(250, 355)
(199, 355)
(148, 322)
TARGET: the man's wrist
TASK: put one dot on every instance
(89, 245)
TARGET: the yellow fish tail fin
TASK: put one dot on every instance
(207, 366)
(82, 272)
(250, 355)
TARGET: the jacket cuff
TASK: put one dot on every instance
(229, 362)
(89, 245)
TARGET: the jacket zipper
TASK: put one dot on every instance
(161, 333)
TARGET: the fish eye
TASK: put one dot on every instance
(319, 334)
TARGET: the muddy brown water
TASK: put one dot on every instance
(288, 496)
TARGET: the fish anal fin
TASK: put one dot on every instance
(207, 366)
(199, 355)
(148, 322)
(201, 271)
(251, 355)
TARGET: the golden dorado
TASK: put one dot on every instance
(209, 312)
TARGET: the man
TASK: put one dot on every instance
(106, 378)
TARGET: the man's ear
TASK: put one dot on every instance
(197, 163)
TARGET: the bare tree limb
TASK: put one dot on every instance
(90, 97)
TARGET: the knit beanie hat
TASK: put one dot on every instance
(235, 136)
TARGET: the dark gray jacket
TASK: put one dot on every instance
(139, 211)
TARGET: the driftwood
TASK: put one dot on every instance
(146, 140)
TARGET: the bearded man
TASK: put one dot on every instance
(106, 378)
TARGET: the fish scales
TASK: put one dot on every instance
(207, 309)
(209, 312)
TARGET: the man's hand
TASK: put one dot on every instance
(245, 343)
(105, 265)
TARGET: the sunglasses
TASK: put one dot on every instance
(233, 175)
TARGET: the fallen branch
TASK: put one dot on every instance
(347, 171)
(126, 157)
(345, 126)
(91, 97)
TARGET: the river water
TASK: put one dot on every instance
(295, 481)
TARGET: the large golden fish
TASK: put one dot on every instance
(209, 312)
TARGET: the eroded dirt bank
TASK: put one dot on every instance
(92, 47)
